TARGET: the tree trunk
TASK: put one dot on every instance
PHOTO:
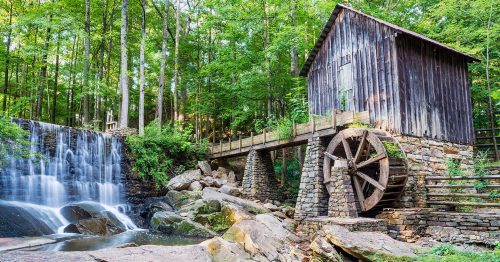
(124, 67)
(161, 84)
(7, 59)
(268, 62)
(294, 52)
(176, 59)
(86, 62)
(69, 97)
(43, 74)
(56, 79)
(141, 69)
(490, 102)
(283, 167)
(98, 112)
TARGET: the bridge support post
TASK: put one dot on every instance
(258, 179)
(312, 200)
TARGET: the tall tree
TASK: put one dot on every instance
(141, 69)
(124, 67)
(176, 59)
(86, 64)
(163, 57)
(7, 58)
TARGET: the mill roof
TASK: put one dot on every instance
(331, 21)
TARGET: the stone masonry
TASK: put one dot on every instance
(411, 224)
(311, 226)
(312, 200)
(427, 157)
(258, 178)
(342, 202)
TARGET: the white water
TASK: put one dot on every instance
(66, 166)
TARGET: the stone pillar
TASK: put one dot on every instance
(258, 179)
(342, 202)
(312, 200)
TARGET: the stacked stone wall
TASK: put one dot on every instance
(258, 179)
(427, 157)
(342, 202)
(310, 226)
(312, 200)
(411, 224)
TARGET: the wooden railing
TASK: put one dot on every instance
(319, 125)
(462, 191)
(488, 139)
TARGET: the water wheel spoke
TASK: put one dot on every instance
(332, 157)
(347, 149)
(371, 160)
(362, 145)
(359, 192)
(370, 180)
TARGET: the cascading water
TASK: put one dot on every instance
(66, 166)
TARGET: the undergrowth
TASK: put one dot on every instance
(163, 153)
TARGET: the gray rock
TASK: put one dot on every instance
(90, 218)
(207, 181)
(271, 207)
(324, 250)
(222, 173)
(218, 182)
(223, 250)
(18, 222)
(231, 177)
(230, 190)
(178, 199)
(195, 186)
(364, 245)
(152, 205)
(248, 206)
(172, 224)
(205, 167)
(182, 181)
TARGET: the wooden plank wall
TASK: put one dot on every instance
(435, 93)
(370, 48)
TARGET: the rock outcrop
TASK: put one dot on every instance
(184, 180)
(90, 218)
(171, 223)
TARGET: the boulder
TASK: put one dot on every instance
(366, 245)
(218, 182)
(230, 190)
(223, 250)
(231, 177)
(222, 173)
(247, 205)
(178, 199)
(271, 207)
(323, 250)
(16, 221)
(195, 186)
(207, 181)
(172, 224)
(289, 211)
(205, 167)
(264, 240)
(91, 218)
(184, 180)
(153, 205)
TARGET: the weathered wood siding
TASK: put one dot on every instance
(367, 49)
(434, 91)
(408, 86)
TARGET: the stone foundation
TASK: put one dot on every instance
(312, 200)
(258, 178)
(427, 157)
(310, 226)
(342, 202)
(411, 224)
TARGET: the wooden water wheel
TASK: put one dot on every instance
(375, 162)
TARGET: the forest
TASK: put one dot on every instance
(215, 67)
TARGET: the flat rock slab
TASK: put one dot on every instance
(23, 242)
(192, 253)
(364, 245)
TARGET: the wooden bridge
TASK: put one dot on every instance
(318, 126)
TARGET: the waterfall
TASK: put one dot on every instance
(66, 165)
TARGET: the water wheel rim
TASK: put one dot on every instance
(383, 176)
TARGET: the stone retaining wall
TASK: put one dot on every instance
(310, 226)
(428, 157)
(411, 224)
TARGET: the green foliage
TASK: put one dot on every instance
(290, 189)
(453, 167)
(284, 128)
(393, 149)
(162, 153)
(356, 123)
(13, 140)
